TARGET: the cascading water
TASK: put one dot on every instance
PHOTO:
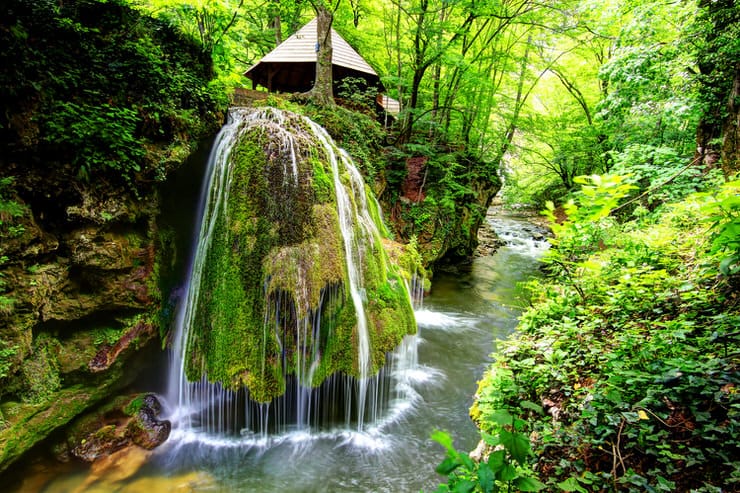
(348, 212)
(296, 312)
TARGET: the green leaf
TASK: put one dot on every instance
(501, 417)
(490, 439)
(448, 465)
(528, 484)
(517, 444)
(466, 461)
(725, 267)
(443, 438)
(497, 460)
(507, 473)
(464, 486)
(531, 406)
(485, 478)
(571, 484)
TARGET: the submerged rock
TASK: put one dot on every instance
(114, 468)
(124, 423)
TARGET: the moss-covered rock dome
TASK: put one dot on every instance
(291, 275)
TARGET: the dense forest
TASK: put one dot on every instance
(618, 120)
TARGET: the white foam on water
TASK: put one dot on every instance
(431, 319)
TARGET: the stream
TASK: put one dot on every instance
(466, 312)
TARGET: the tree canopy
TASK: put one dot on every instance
(548, 90)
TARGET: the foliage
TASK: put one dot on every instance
(587, 226)
(717, 49)
(665, 174)
(105, 135)
(6, 302)
(99, 86)
(650, 94)
(634, 354)
(504, 467)
(7, 354)
(620, 89)
(9, 209)
(357, 133)
(352, 91)
(232, 32)
(108, 335)
(723, 210)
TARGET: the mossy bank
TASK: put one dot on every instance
(87, 133)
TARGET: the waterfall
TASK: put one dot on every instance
(294, 310)
(348, 213)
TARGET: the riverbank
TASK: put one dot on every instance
(628, 359)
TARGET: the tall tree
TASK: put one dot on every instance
(322, 92)
(718, 58)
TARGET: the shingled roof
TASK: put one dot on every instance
(291, 67)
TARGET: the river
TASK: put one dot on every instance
(466, 312)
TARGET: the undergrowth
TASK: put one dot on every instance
(631, 349)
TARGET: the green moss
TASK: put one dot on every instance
(229, 342)
(373, 208)
(40, 372)
(323, 184)
(392, 317)
(133, 407)
(305, 269)
(8, 355)
(340, 354)
(276, 266)
(28, 424)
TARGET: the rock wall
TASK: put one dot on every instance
(441, 201)
(81, 298)
(99, 104)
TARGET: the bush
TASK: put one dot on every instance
(633, 353)
(97, 85)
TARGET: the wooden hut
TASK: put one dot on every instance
(291, 67)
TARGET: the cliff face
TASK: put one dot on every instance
(86, 133)
(440, 199)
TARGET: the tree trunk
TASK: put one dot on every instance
(437, 73)
(322, 92)
(717, 132)
(277, 24)
(730, 152)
